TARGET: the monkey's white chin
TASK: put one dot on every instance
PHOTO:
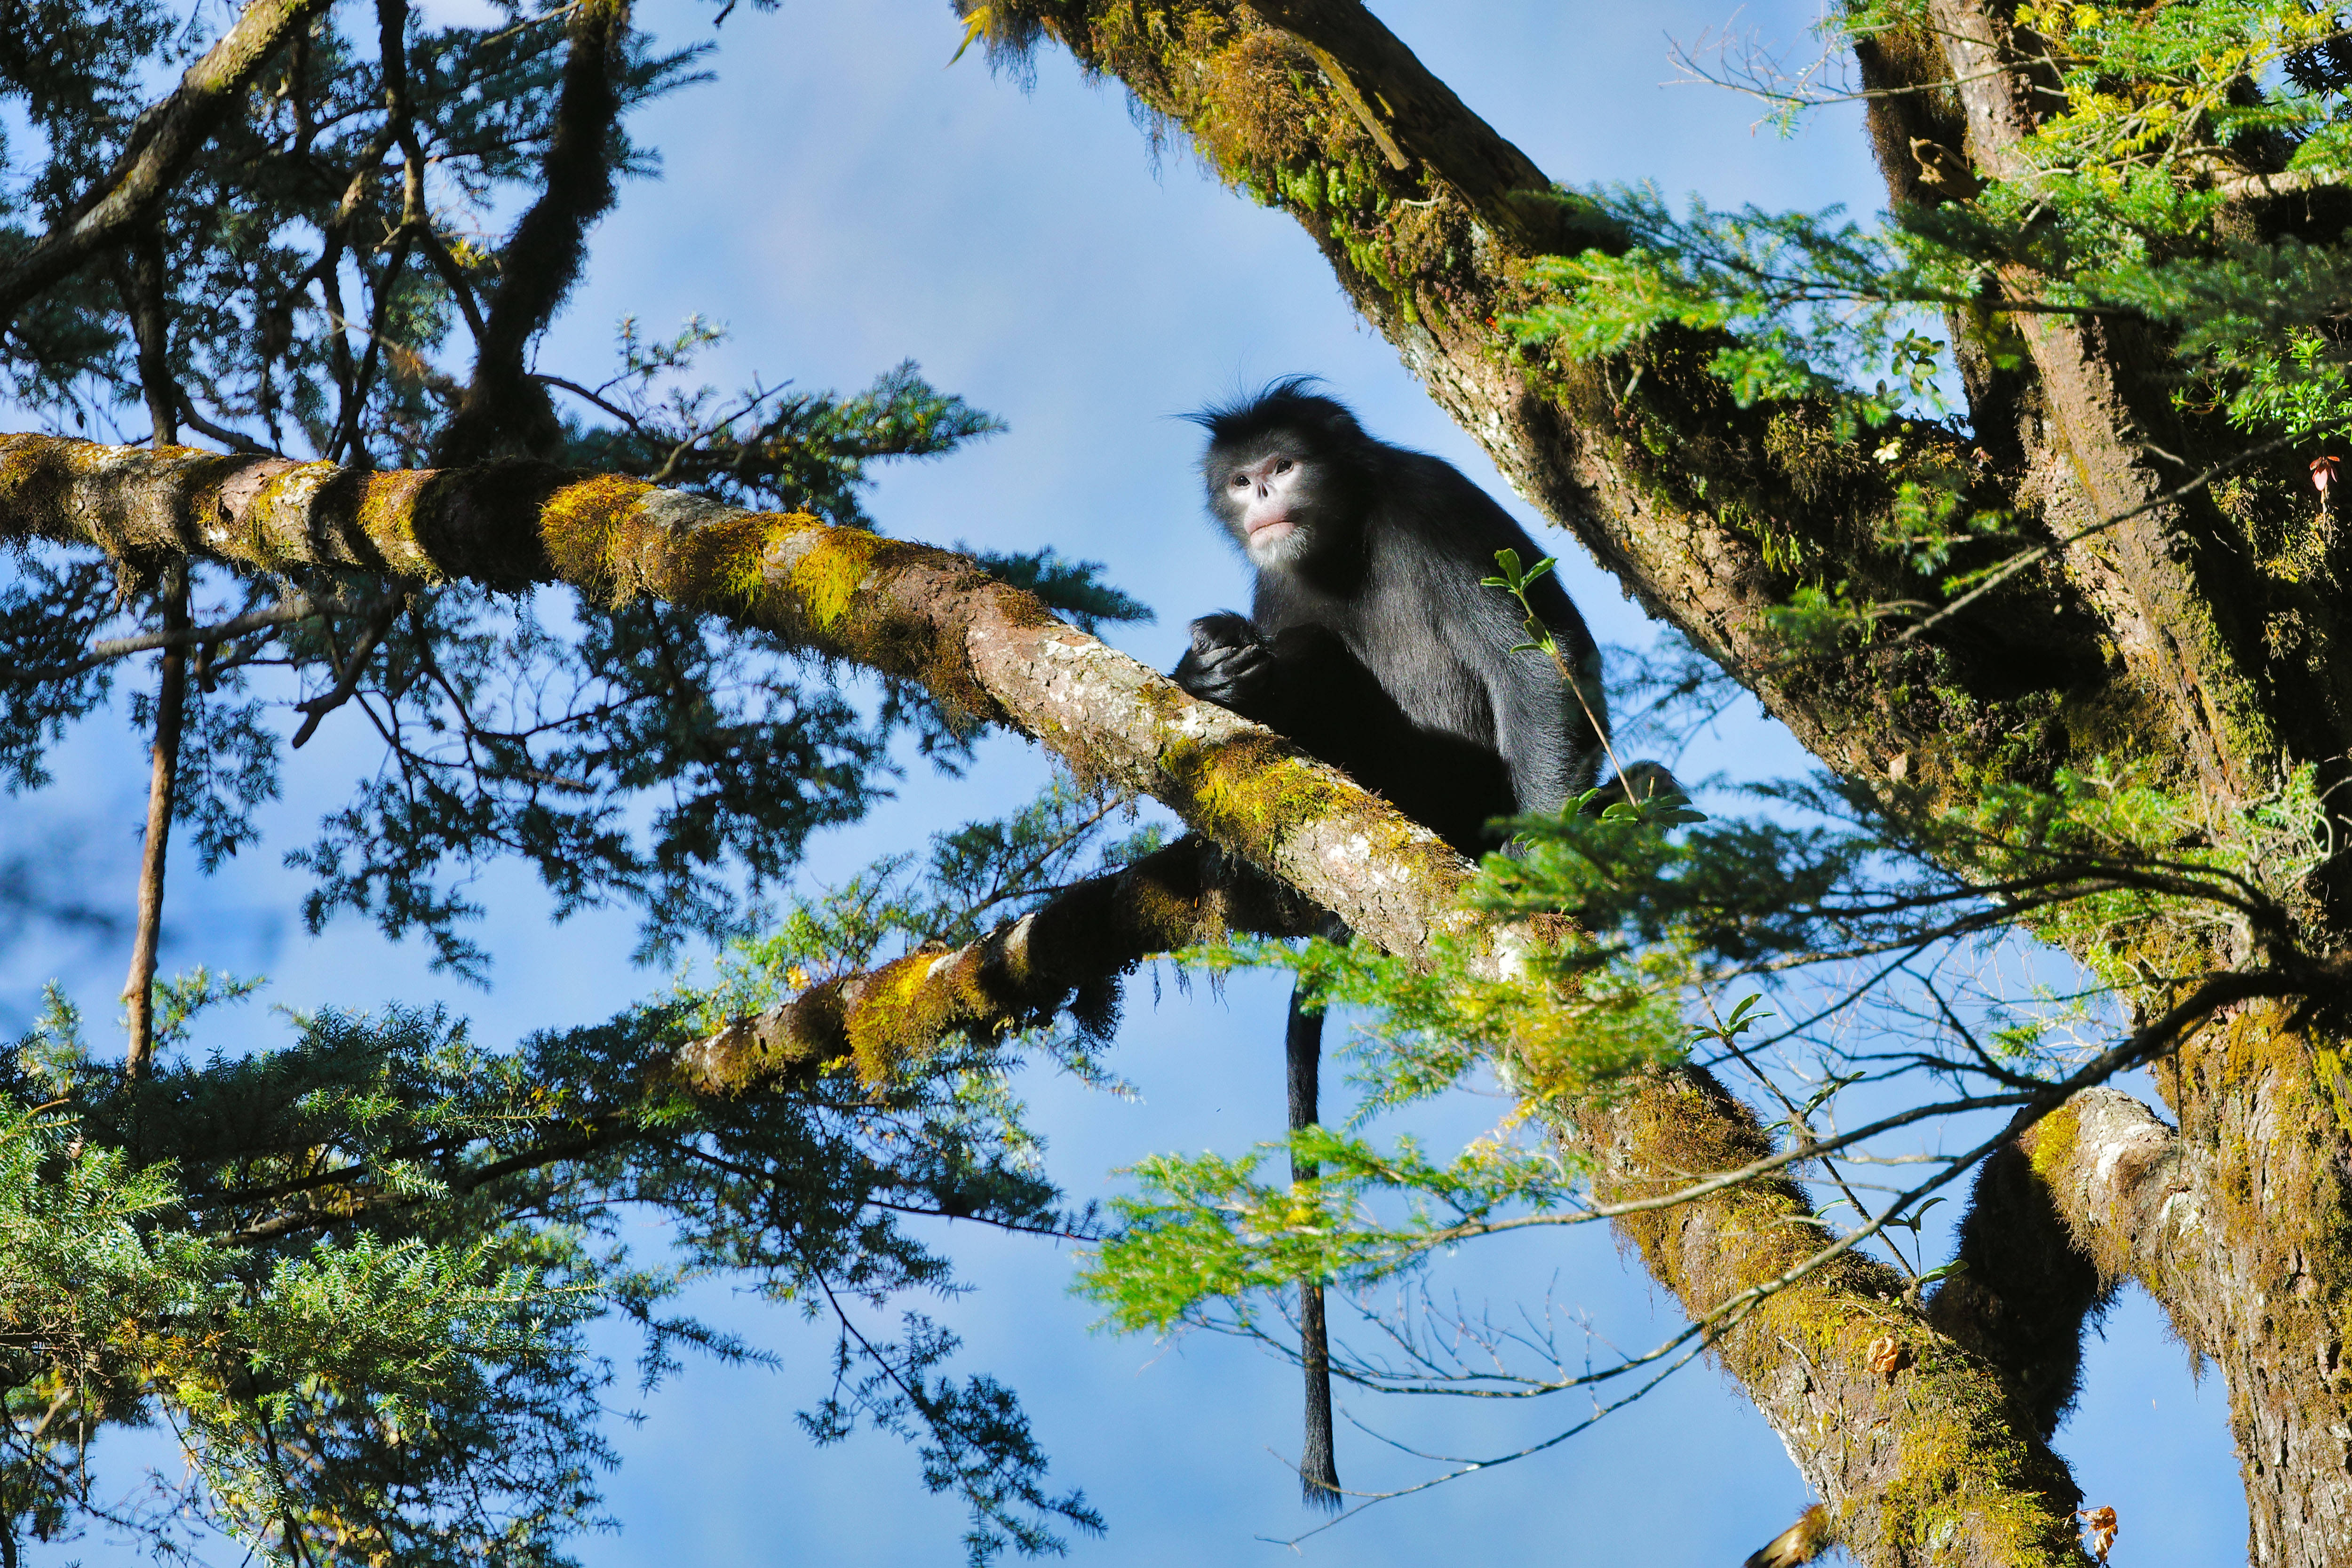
(1277, 545)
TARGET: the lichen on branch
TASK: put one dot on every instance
(984, 651)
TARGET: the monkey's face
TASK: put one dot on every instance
(1270, 497)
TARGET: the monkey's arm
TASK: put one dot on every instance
(1548, 727)
(1306, 683)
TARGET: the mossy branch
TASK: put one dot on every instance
(1062, 956)
(985, 651)
(1414, 117)
(1946, 1473)
(542, 261)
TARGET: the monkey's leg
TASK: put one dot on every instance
(1318, 1467)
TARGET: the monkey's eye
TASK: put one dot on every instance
(1282, 465)
(1241, 481)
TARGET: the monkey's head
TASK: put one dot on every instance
(1285, 473)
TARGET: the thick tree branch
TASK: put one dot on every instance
(542, 261)
(2175, 610)
(1923, 1464)
(985, 651)
(162, 141)
(2023, 1291)
(1414, 117)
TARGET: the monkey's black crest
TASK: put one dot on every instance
(1285, 404)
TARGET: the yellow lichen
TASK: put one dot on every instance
(578, 526)
(826, 579)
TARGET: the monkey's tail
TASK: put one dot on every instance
(1318, 1465)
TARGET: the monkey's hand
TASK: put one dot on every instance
(1229, 664)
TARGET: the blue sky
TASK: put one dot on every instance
(841, 199)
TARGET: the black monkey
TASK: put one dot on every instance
(1371, 642)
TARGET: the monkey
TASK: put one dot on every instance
(1373, 643)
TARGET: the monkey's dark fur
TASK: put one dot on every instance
(1373, 642)
(1370, 640)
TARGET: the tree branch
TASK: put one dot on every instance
(543, 259)
(2179, 620)
(986, 651)
(162, 141)
(1419, 119)
(1018, 976)
(170, 710)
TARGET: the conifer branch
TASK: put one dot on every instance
(162, 143)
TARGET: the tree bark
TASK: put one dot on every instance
(2217, 1222)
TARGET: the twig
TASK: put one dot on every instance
(347, 678)
(171, 707)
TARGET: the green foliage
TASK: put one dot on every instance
(332, 1387)
(743, 757)
(2125, 200)
(1073, 589)
(1578, 1018)
(1815, 304)
(1205, 1235)
(639, 755)
(765, 447)
(354, 1273)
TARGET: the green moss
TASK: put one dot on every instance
(2335, 1085)
(580, 527)
(826, 577)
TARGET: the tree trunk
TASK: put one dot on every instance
(2237, 1225)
